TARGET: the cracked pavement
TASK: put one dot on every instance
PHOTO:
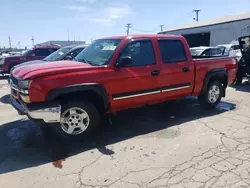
(173, 145)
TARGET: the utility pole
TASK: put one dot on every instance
(197, 14)
(10, 42)
(32, 39)
(68, 33)
(128, 27)
(161, 26)
(19, 45)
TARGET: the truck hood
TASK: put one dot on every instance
(41, 69)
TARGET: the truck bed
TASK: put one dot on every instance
(204, 65)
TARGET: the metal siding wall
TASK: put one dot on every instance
(221, 33)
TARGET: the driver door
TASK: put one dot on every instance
(136, 84)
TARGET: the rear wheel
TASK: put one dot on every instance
(212, 96)
(78, 120)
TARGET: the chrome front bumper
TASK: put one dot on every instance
(47, 113)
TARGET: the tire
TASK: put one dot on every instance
(92, 121)
(211, 93)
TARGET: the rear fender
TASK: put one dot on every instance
(220, 74)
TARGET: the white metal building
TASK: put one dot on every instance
(213, 32)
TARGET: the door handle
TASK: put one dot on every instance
(185, 69)
(155, 73)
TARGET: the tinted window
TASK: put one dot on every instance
(235, 47)
(141, 53)
(52, 50)
(213, 52)
(41, 52)
(172, 51)
(57, 55)
(75, 52)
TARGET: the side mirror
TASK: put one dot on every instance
(68, 57)
(32, 54)
(124, 61)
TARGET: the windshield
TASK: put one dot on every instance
(196, 52)
(26, 52)
(57, 54)
(98, 52)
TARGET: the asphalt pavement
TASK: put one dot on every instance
(175, 144)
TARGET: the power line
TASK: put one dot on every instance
(197, 14)
(128, 27)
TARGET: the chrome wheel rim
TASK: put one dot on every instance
(74, 121)
(213, 94)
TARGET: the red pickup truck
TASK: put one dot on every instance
(113, 74)
(36, 53)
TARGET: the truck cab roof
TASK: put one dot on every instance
(143, 36)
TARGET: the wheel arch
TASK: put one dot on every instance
(95, 93)
(219, 74)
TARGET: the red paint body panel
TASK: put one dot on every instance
(51, 75)
(205, 65)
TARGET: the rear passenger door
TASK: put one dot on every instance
(177, 72)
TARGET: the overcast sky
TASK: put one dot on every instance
(86, 19)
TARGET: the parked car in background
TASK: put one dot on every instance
(4, 52)
(230, 49)
(206, 51)
(67, 52)
(14, 53)
(6, 63)
(114, 74)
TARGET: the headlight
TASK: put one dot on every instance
(24, 84)
(25, 98)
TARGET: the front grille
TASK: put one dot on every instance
(14, 93)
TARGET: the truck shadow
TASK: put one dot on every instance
(245, 87)
(5, 99)
(24, 146)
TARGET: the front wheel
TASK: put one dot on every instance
(78, 120)
(212, 96)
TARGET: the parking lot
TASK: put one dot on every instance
(175, 144)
